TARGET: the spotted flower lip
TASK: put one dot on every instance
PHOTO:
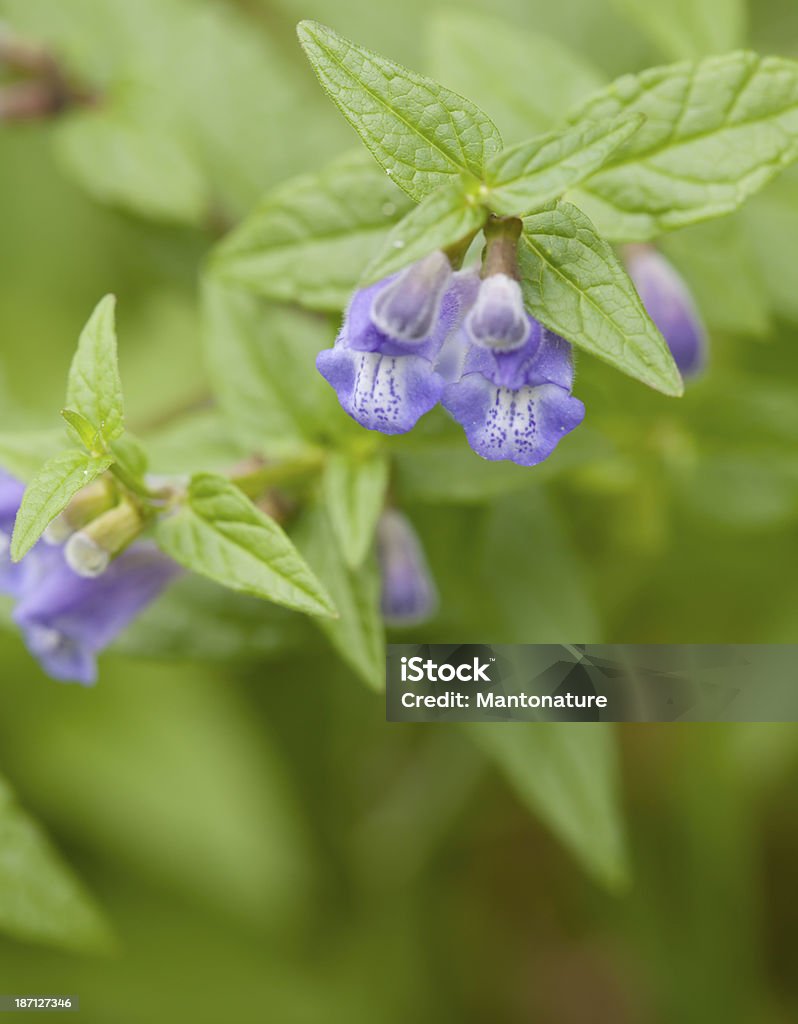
(409, 596)
(384, 381)
(516, 405)
(670, 305)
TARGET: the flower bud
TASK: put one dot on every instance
(87, 504)
(408, 307)
(670, 305)
(409, 595)
(89, 551)
(498, 319)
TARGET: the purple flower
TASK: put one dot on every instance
(670, 305)
(68, 619)
(408, 590)
(383, 363)
(513, 396)
(11, 491)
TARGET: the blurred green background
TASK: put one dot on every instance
(264, 846)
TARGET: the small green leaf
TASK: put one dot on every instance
(525, 177)
(574, 284)
(81, 430)
(308, 241)
(358, 635)
(689, 28)
(447, 216)
(130, 455)
(220, 534)
(420, 132)
(528, 81)
(567, 774)
(40, 899)
(93, 387)
(354, 491)
(716, 132)
(50, 491)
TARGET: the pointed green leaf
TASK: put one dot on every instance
(93, 387)
(81, 430)
(49, 493)
(574, 284)
(220, 534)
(420, 132)
(354, 491)
(40, 899)
(447, 216)
(528, 81)
(716, 131)
(308, 241)
(567, 774)
(357, 635)
(525, 177)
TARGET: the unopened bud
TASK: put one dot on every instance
(498, 319)
(409, 595)
(408, 308)
(89, 551)
(670, 305)
(88, 504)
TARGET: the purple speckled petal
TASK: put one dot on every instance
(522, 424)
(67, 619)
(408, 590)
(381, 392)
(670, 305)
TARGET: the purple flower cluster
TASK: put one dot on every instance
(66, 618)
(429, 335)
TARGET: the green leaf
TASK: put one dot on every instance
(50, 491)
(770, 229)
(529, 82)
(716, 132)
(575, 285)
(447, 216)
(93, 387)
(526, 176)
(358, 634)
(220, 534)
(308, 241)
(354, 489)
(40, 899)
(420, 132)
(130, 455)
(567, 774)
(689, 28)
(262, 367)
(80, 430)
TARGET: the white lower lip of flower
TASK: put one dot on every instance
(85, 557)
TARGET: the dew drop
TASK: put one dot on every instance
(398, 244)
(388, 171)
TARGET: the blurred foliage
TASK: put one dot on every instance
(259, 841)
